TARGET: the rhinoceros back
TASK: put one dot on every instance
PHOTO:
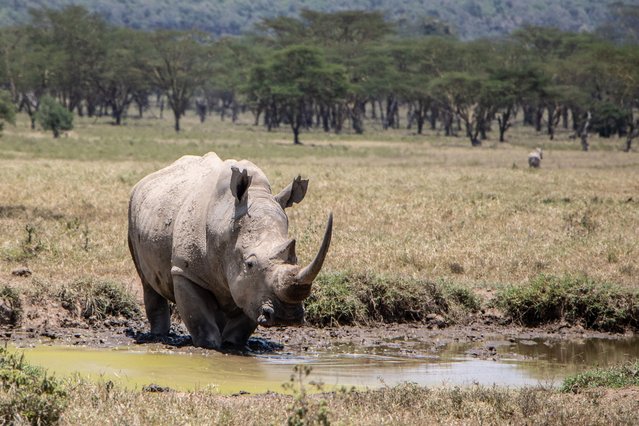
(163, 207)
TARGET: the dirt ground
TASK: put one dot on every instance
(54, 325)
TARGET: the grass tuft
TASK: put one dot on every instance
(618, 376)
(576, 300)
(97, 300)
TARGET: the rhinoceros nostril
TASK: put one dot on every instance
(267, 311)
(267, 315)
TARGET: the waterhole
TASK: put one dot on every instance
(500, 362)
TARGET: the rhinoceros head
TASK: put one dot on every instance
(264, 277)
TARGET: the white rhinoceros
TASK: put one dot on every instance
(210, 236)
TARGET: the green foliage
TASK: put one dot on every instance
(577, 300)
(7, 109)
(462, 296)
(177, 66)
(293, 81)
(333, 301)
(97, 300)
(53, 116)
(612, 377)
(343, 298)
(27, 395)
(10, 306)
(609, 119)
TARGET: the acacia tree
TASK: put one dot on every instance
(232, 60)
(73, 39)
(347, 38)
(464, 96)
(25, 69)
(177, 66)
(121, 73)
(293, 83)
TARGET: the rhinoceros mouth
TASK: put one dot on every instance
(281, 314)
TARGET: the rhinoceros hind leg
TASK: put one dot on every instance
(157, 310)
(199, 311)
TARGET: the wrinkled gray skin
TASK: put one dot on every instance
(210, 236)
(534, 158)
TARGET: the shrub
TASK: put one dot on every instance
(334, 301)
(577, 300)
(10, 306)
(97, 300)
(27, 395)
(344, 298)
(53, 116)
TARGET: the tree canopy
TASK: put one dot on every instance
(338, 72)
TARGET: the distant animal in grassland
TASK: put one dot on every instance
(534, 158)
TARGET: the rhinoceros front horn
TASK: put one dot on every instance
(308, 274)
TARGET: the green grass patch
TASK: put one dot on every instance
(347, 298)
(27, 394)
(612, 377)
(574, 299)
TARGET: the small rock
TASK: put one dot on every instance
(436, 320)
(22, 272)
(51, 335)
(156, 388)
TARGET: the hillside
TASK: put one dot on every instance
(467, 18)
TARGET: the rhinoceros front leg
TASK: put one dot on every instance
(157, 310)
(237, 331)
(199, 311)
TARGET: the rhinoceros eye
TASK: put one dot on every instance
(250, 263)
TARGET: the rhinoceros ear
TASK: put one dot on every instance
(240, 182)
(293, 193)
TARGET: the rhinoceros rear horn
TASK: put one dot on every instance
(306, 276)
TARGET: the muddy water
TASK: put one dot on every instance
(518, 363)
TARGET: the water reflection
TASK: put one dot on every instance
(519, 363)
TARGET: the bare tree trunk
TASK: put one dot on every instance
(176, 114)
(356, 114)
(583, 133)
(434, 115)
(503, 121)
(633, 133)
(554, 114)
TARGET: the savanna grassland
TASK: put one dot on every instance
(424, 207)
(409, 210)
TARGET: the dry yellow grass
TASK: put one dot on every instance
(421, 206)
(427, 207)
(402, 405)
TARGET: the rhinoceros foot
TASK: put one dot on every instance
(171, 339)
(261, 346)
